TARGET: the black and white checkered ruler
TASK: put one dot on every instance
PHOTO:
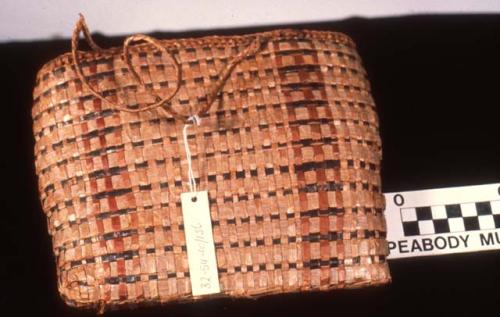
(443, 221)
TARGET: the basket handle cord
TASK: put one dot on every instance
(81, 26)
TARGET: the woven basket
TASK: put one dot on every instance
(287, 147)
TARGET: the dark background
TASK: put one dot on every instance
(436, 82)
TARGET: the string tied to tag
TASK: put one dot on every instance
(192, 120)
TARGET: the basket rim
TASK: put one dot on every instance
(207, 40)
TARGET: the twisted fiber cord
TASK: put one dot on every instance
(81, 26)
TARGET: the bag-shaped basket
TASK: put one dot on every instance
(278, 127)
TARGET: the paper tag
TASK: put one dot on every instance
(200, 243)
(443, 221)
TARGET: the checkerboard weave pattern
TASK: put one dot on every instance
(451, 218)
(290, 156)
